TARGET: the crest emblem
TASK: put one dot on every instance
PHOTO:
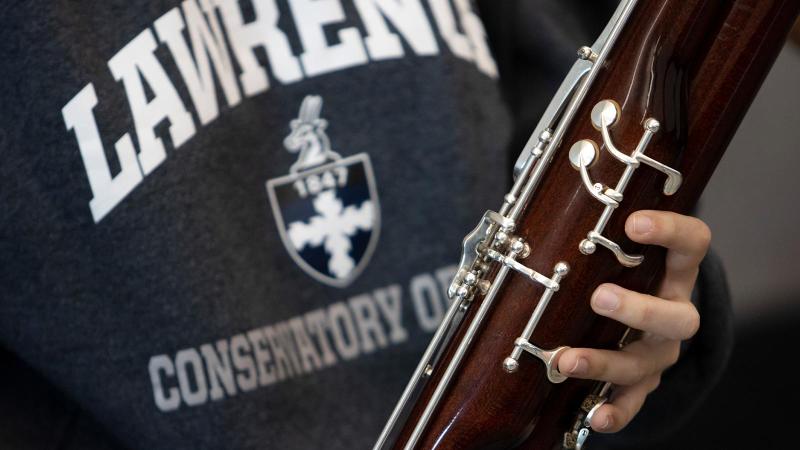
(326, 208)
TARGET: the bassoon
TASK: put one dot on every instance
(640, 122)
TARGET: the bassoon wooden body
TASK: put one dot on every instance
(640, 123)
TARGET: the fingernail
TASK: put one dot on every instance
(606, 300)
(581, 367)
(642, 224)
(607, 424)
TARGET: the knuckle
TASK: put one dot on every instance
(703, 234)
(691, 324)
(598, 365)
(654, 383)
(641, 369)
(673, 355)
(647, 314)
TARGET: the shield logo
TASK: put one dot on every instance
(326, 208)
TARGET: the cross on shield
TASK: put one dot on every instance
(328, 218)
(327, 207)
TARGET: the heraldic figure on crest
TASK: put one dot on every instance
(326, 208)
(308, 137)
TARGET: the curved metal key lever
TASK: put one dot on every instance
(582, 154)
(515, 265)
(674, 178)
(548, 357)
(606, 113)
(588, 247)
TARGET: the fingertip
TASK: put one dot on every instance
(603, 420)
(606, 298)
(639, 225)
(566, 361)
(705, 234)
(573, 364)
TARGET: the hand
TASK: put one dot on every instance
(666, 319)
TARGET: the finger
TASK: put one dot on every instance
(687, 239)
(637, 362)
(673, 320)
(685, 235)
(625, 404)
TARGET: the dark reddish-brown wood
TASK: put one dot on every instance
(693, 65)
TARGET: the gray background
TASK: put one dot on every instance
(751, 202)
